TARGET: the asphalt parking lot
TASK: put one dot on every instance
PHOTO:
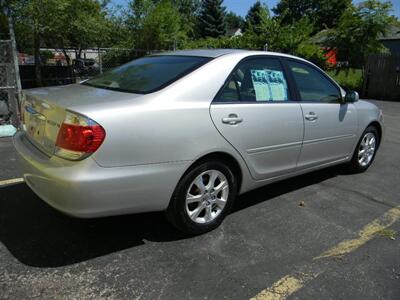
(325, 235)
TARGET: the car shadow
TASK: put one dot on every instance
(276, 189)
(39, 236)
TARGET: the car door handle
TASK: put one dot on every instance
(232, 119)
(311, 116)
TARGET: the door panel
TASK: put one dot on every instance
(268, 136)
(329, 135)
(329, 126)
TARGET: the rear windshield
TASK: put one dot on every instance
(148, 74)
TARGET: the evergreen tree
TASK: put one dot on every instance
(233, 21)
(256, 17)
(253, 17)
(189, 10)
(212, 19)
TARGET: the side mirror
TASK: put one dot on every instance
(351, 96)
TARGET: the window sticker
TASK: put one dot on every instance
(269, 85)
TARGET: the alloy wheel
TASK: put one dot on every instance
(366, 149)
(207, 196)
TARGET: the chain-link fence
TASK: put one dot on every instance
(92, 62)
(7, 82)
(60, 67)
(96, 61)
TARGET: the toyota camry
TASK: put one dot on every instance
(186, 132)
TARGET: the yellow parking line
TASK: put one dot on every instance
(11, 181)
(289, 284)
(364, 235)
(284, 287)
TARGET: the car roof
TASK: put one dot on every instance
(213, 53)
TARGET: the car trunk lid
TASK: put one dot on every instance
(44, 109)
(41, 121)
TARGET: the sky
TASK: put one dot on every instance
(241, 7)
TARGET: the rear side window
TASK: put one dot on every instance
(148, 74)
(312, 84)
(256, 80)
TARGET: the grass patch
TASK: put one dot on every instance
(351, 79)
(389, 233)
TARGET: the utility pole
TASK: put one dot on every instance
(16, 100)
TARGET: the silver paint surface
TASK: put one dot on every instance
(153, 139)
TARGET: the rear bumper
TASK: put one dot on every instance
(84, 189)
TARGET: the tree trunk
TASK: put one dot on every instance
(38, 70)
(67, 58)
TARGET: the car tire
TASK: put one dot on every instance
(357, 164)
(199, 204)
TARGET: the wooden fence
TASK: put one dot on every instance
(382, 77)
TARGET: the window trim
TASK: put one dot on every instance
(164, 85)
(291, 91)
(297, 90)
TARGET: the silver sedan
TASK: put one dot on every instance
(187, 132)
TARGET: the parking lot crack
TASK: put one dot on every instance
(368, 197)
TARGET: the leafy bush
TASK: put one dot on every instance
(358, 30)
(246, 41)
(312, 53)
(118, 56)
(45, 55)
(350, 79)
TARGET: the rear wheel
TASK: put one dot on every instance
(203, 198)
(365, 151)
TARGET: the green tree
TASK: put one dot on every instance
(292, 39)
(212, 19)
(293, 10)
(324, 13)
(263, 30)
(120, 35)
(61, 24)
(358, 31)
(189, 10)
(137, 12)
(233, 21)
(3, 26)
(162, 27)
(311, 52)
(327, 13)
(284, 38)
(257, 18)
(33, 26)
(80, 24)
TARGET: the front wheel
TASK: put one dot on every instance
(203, 198)
(365, 151)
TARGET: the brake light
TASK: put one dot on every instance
(78, 137)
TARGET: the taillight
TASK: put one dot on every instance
(78, 137)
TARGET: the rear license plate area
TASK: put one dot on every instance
(35, 124)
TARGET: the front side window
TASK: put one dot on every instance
(148, 74)
(256, 80)
(312, 85)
